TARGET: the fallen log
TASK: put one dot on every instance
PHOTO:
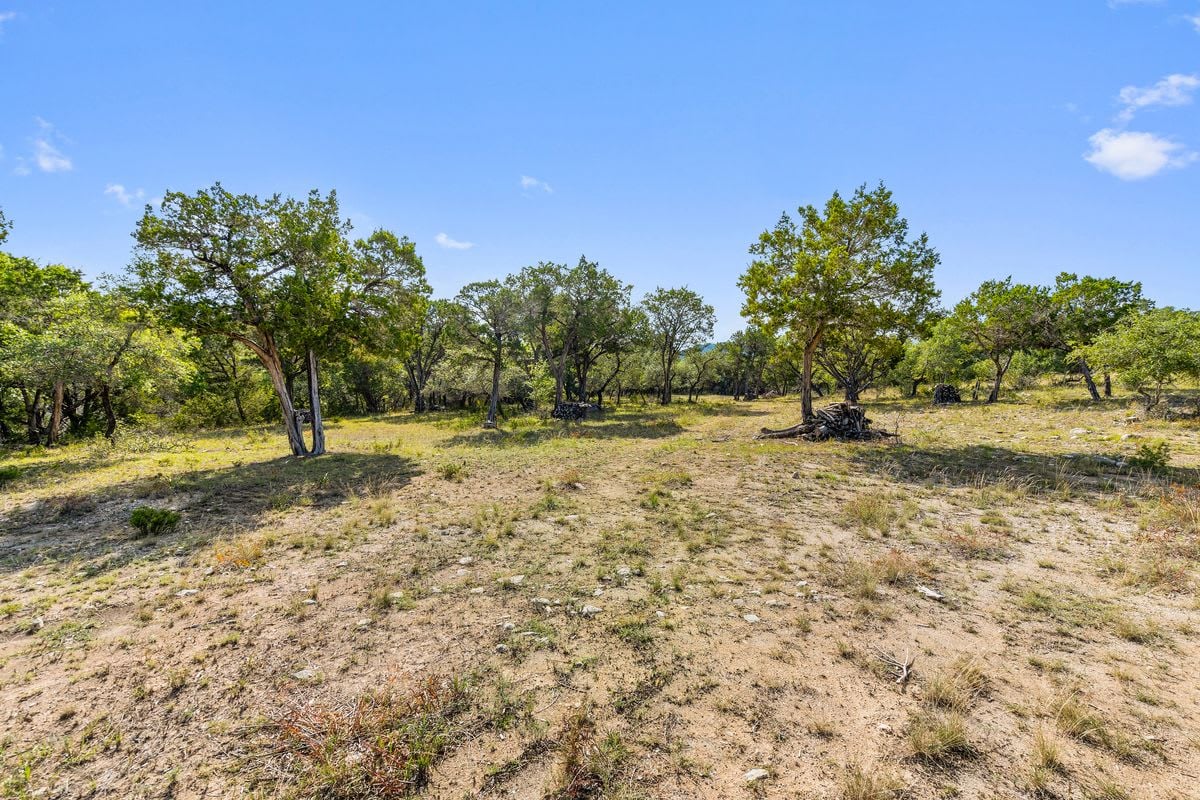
(842, 421)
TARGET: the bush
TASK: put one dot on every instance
(1152, 456)
(149, 521)
(9, 473)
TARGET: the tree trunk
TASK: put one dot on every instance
(237, 387)
(110, 418)
(913, 391)
(494, 400)
(1087, 378)
(994, 395)
(851, 390)
(314, 398)
(806, 384)
(279, 381)
(56, 413)
(33, 415)
(1107, 385)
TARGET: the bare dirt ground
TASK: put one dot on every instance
(649, 605)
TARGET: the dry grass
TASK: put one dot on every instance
(736, 593)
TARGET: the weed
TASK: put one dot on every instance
(149, 521)
(939, 737)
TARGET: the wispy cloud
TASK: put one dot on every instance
(1119, 3)
(1173, 90)
(528, 182)
(49, 158)
(1195, 20)
(452, 244)
(1133, 155)
(5, 18)
(123, 195)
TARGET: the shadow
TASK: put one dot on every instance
(611, 425)
(94, 529)
(982, 466)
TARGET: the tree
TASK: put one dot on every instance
(597, 321)
(429, 349)
(1001, 318)
(678, 319)
(700, 364)
(1149, 351)
(5, 226)
(1087, 307)
(858, 354)
(276, 276)
(489, 317)
(832, 268)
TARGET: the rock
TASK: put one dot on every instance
(757, 774)
(590, 611)
(362, 623)
(544, 602)
(751, 618)
(477, 590)
(501, 648)
(624, 572)
(513, 580)
(308, 601)
(597, 592)
(187, 592)
(466, 560)
(884, 727)
(435, 590)
(341, 564)
(508, 626)
(1078, 431)
(660, 614)
(307, 674)
(932, 594)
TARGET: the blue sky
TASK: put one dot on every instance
(656, 138)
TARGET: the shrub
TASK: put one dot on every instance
(1152, 456)
(148, 520)
(9, 473)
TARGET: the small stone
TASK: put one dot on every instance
(477, 590)
(306, 674)
(541, 601)
(435, 590)
(187, 592)
(362, 623)
(341, 563)
(739, 602)
(571, 517)
(660, 614)
(512, 580)
(884, 727)
(508, 626)
(756, 774)
(597, 592)
(590, 611)
(751, 618)
(624, 572)
(501, 648)
(466, 560)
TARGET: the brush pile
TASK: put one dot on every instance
(842, 421)
(572, 412)
(944, 394)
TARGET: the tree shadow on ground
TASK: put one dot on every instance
(984, 466)
(94, 528)
(627, 426)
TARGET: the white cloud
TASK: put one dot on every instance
(21, 168)
(1195, 20)
(452, 244)
(1173, 90)
(1131, 155)
(6, 16)
(1119, 3)
(533, 183)
(49, 158)
(122, 195)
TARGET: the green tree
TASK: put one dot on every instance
(277, 276)
(489, 318)
(1087, 307)
(5, 226)
(830, 270)
(434, 332)
(1149, 351)
(1000, 319)
(677, 319)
